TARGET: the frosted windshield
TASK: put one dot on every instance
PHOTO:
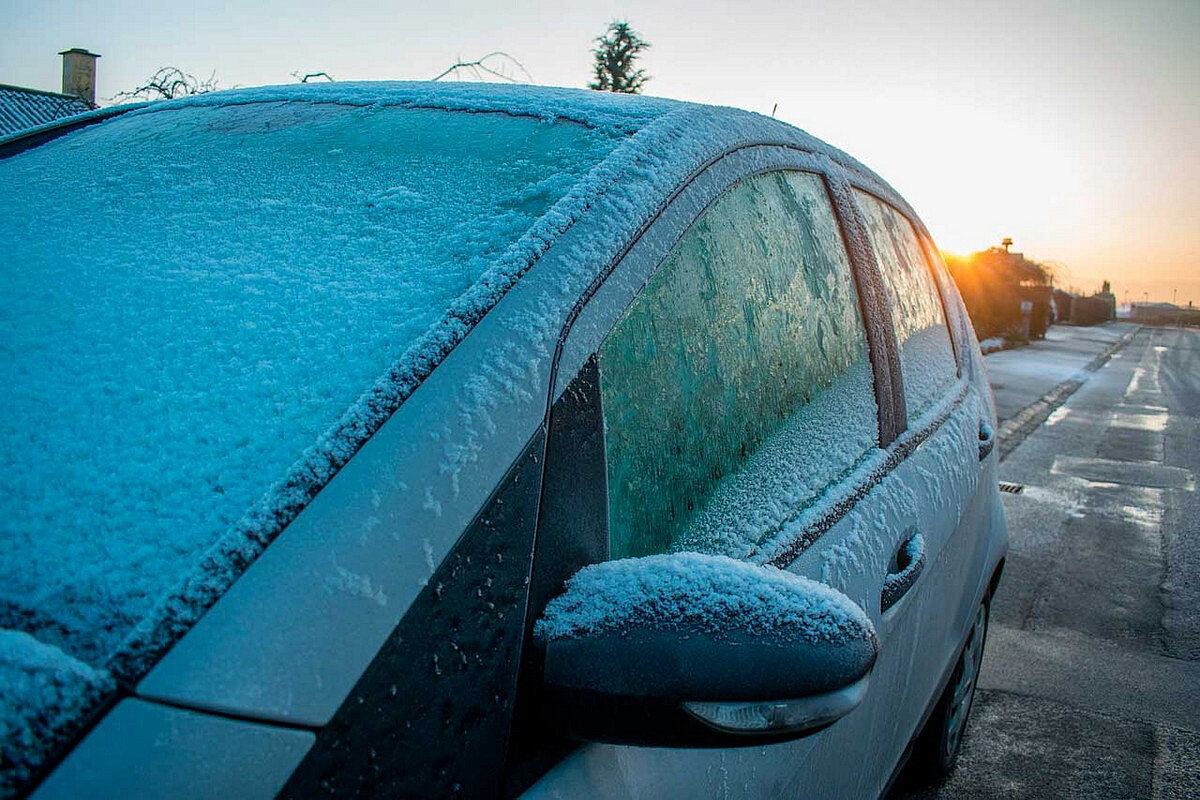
(193, 300)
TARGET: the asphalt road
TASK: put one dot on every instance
(1091, 678)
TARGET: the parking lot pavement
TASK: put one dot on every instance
(1091, 678)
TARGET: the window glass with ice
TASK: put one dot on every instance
(927, 362)
(737, 386)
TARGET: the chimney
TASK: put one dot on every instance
(79, 74)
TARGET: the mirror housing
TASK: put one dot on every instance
(691, 650)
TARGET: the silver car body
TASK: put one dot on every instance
(238, 703)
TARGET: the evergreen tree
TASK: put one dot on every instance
(615, 54)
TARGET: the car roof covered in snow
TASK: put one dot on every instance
(616, 112)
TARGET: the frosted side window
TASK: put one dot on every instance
(927, 362)
(737, 386)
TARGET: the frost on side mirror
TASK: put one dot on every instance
(691, 650)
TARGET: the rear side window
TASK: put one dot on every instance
(926, 356)
(737, 385)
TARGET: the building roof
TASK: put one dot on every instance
(22, 108)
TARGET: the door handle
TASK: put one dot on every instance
(902, 575)
(987, 439)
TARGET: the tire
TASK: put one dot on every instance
(936, 749)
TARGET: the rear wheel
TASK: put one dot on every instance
(936, 750)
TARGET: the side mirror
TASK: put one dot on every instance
(690, 650)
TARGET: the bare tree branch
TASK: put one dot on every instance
(70, 105)
(306, 76)
(479, 66)
(168, 83)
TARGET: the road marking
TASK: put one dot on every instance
(1147, 373)
(1142, 422)
(1071, 503)
(1058, 415)
(1129, 473)
(1149, 515)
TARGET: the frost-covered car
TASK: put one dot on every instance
(421, 440)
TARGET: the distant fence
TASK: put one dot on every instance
(1084, 310)
(1164, 314)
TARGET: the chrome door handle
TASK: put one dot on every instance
(909, 561)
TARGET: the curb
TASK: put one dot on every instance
(1013, 430)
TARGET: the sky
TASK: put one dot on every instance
(1072, 127)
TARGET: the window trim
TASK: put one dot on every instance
(889, 384)
(862, 304)
(579, 337)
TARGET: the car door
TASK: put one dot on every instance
(734, 394)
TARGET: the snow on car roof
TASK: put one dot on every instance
(600, 110)
(214, 301)
(195, 297)
(43, 692)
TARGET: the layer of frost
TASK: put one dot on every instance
(206, 307)
(992, 344)
(950, 453)
(44, 695)
(927, 367)
(816, 447)
(711, 593)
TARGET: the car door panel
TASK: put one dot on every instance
(932, 368)
(854, 557)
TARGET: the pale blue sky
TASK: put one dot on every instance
(1073, 127)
